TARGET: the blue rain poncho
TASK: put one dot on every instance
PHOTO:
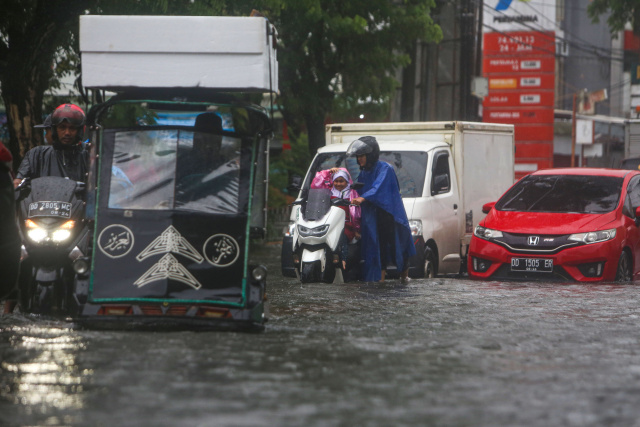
(381, 191)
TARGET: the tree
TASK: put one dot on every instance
(39, 43)
(621, 13)
(32, 34)
(338, 51)
(330, 51)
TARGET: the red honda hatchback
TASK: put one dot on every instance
(562, 224)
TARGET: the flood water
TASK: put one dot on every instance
(442, 352)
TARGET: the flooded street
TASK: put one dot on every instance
(443, 352)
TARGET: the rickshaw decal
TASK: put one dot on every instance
(171, 241)
(221, 250)
(168, 268)
(116, 241)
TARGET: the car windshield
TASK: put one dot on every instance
(562, 194)
(410, 168)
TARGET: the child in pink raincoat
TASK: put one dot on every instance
(339, 181)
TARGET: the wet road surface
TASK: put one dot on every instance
(443, 352)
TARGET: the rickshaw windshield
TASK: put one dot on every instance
(177, 169)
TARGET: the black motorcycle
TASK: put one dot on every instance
(54, 236)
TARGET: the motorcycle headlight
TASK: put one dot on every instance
(594, 236)
(313, 232)
(416, 227)
(37, 234)
(486, 233)
(60, 235)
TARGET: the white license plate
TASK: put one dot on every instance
(61, 209)
(541, 265)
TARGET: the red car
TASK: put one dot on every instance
(577, 224)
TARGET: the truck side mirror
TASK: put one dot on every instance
(440, 184)
(295, 183)
(487, 207)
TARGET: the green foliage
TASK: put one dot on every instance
(621, 12)
(289, 162)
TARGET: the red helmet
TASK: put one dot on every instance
(70, 113)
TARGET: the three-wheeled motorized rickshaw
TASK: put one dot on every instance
(176, 190)
(178, 172)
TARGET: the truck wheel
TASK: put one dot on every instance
(429, 265)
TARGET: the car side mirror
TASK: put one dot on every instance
(487, 207)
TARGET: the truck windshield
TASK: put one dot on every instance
(563, 194)
(410, 168)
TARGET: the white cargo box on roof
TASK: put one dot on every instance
(226, 53)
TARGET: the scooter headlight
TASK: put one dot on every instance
(313, 232)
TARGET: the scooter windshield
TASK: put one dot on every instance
(318, 204)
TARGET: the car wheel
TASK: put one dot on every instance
(623, 274)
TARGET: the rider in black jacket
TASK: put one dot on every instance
(65, 157)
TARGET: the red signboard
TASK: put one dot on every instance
(530, 132)
(520, 68)
(519, 99)
(520, 43)
(534, 150)
(513, 65)
(520, 115)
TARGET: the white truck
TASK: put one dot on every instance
(446, 172)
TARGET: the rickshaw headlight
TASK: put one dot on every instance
(259, 273)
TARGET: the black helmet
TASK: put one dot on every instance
(366, 145)
(71, 114)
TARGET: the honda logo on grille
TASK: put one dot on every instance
(533, 240)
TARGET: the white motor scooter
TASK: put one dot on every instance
(318, 227)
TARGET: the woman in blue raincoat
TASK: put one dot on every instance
(386, 236)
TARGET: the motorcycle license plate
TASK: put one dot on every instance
(541, 265)
(60, 209)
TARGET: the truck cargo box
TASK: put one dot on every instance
(225, 53)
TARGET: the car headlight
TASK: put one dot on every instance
(313, 232)
(416, 227)
(486, 233)
(594, 236)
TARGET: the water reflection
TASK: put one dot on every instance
(39, 372)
